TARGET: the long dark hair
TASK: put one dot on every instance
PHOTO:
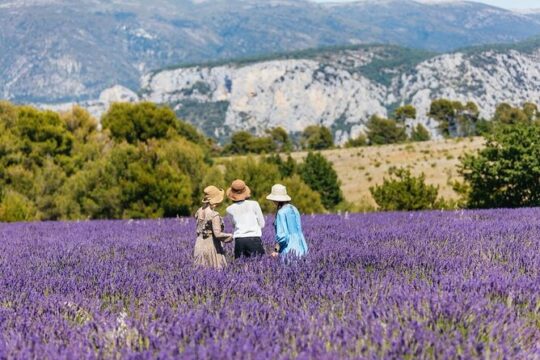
(281, 204)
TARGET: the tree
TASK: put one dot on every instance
(131, 181)
(319, 174)
(444, 112)
(303, 197)
(405, 112)
(79, 123)
(60, 166)
(484, 127)
(360, 140)
(286, 168)
(404, 192)
(420, 133)
(143, 121)
(186, 158)
(505, 114)
(262, 145)
(455, 118)
(317, 137)
(242, 142)
(385, 131)
(281, 139)
(531, 111)
(42, 134)
(139, 122)
(505, 172)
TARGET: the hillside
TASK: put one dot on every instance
(342, 88)
(54, 51)
(360, 168)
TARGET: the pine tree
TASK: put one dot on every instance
(319, 174)
(385, 131)
(317, 138)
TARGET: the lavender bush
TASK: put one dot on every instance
(398, 285)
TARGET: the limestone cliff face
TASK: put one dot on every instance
(342, 89)
(488, 78)
(288, 93)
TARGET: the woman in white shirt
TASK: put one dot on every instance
(248, 221)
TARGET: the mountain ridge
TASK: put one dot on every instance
(342, 89)
(54, 51)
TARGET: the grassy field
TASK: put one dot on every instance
(360, 168)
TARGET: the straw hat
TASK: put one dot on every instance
(238, 191)
(279, 194)
(213, 195)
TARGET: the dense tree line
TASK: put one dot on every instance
(144, 163)
(453, 119)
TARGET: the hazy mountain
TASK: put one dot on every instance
(342, 88)
(59, 50)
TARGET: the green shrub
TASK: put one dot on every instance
(16, 207)
(385, 131)
(402, 191)
(420, 133)
(360, 140)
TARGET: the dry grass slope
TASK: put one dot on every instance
(360, 168)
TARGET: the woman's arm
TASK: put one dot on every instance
(282, 233)
(259, 214)
(218, 233)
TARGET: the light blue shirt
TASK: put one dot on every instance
(289, 234)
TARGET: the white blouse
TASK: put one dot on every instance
(247, 218)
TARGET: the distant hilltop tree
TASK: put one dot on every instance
(243, 142)
(317, 137)
(420, 133)
(404, 113)
(455, 118)
(382, 131)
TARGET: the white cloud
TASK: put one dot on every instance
(509, 4)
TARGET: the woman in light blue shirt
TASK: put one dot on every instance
(288, 226)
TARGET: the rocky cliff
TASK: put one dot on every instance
(342, 88)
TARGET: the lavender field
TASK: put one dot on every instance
(403, 285)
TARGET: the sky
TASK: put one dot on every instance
(509, 4)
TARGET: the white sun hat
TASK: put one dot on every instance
(279, 194)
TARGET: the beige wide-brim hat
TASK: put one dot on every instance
(213, 195)
(279, 194)
(238, 191)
